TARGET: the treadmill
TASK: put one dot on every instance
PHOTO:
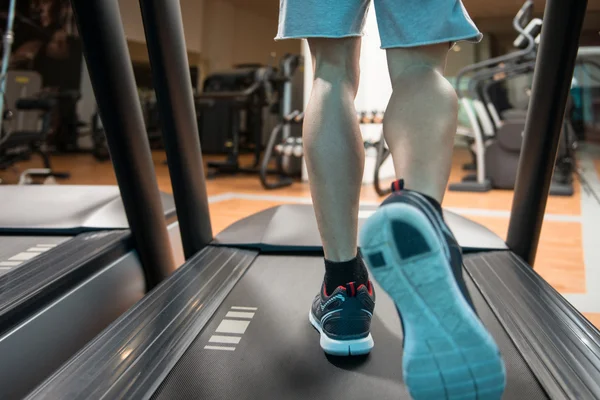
(75, 258)
(223, 326)
(61, 248)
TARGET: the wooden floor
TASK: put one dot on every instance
(560, 255)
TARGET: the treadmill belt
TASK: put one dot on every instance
(278, 354)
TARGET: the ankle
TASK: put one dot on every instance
(342, 273)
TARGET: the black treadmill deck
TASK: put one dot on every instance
(278, 355)
(293, 228)
(175, 345)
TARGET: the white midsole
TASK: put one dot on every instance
(342, 347)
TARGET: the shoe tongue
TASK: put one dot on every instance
(351, 288)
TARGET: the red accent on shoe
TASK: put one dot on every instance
(368, 286)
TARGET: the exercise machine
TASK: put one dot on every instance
(71, 260)
(230, 114)
(482, 128)
(496, 139)
(217, 328)
(231, 109)
(18, 141)
(285, 144)
(503, 133)
(26, 125)
(286, 151)
(68, 268)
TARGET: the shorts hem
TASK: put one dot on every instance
(470, 38)
(342, 36)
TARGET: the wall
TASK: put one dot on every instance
(192, 14)
(254, 39)
(461, 55)
(218, 43)
(234, 35)
(132, 20)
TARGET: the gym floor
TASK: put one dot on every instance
(568, 254)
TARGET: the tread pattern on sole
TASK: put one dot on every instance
(448, 353)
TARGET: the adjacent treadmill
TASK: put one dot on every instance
(74, 258)
(67, 270)
(232, 322)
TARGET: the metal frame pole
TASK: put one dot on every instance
(111, 74)
(563, 20)
(171, 75)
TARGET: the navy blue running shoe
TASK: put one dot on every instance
(343, 319)
(412, 254)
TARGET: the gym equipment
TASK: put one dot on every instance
(376, 147)
(382, 154)
(7, 40)
(230, 117)
(231, 110)
(288, 153)
(17, 144)
(504, 136)
(585, 92)
(26, 126)
(224, 326)
(496, 142)
(482, 129)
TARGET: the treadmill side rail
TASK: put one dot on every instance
(41, 280)
(131, 357)
(560, 346)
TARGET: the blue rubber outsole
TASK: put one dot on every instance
(448, 353)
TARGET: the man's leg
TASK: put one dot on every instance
(333, 147)
(421, 118)
(411, 251)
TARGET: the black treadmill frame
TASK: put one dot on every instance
(551, 84)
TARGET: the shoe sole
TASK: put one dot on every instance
(448, 353)
(353, 347)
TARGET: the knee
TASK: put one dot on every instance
(336, 63)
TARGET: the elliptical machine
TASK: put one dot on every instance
(496, 142)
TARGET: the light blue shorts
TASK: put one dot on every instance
(402, 23)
